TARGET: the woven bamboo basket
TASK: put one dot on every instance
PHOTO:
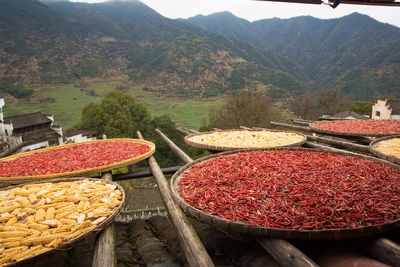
(87, 172)
(245, 228)
(355, 134)
(382, 155)
(231, 148)
(72, 243)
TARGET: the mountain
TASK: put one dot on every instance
(61, 41)
(355, 53)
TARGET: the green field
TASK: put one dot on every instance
(66, 102)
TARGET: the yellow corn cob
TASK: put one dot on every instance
(50, 213)
(39, 227)
(40, 240)
(8, 234)
(11, 244)
(11, 221)
(55, 243)
(25, 202)
(29, 210)
(40, 215)
(32, 198)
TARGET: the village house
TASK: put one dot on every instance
(35, 129)
(386, 110)
(345, 115)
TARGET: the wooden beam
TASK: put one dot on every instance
(275, 245)
(344, 144)
(194, 251)
(302, 122)
(285, 253)
(383, 250)
(182, 132)
(179, 152)
(295, 127)
(104, 251)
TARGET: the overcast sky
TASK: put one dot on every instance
(255, 10)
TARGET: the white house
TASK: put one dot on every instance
(37, 129)
(386, 110)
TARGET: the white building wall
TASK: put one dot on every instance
(35, 146)
(380, 111)
(395, 117)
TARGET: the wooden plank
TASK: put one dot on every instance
(290, 126)
(104, 252)
(301, 122)
(275, 245)
(344, 144)
(194, 250)
(182, 155)
(285, 253)
(383, 250)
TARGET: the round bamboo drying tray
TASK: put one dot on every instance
(231, 148)
(342, 133)
(70, 244)
(382, 155)
(245, 228)
(105, 168)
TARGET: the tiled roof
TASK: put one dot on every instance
(26, 120)
(395, 106)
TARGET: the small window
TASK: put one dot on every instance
(378, 113)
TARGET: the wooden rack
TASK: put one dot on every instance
(293, 253)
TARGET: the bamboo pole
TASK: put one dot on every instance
(104, 252)
(281, 250)
(344, 144)
(194, 250)
(193, 131)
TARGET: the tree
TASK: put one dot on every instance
(311, 106)
(118, 115)
(361, 107)
(244, 109)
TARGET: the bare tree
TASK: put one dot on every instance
(313, 105)
(245, 109)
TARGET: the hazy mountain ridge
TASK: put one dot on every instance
(94, 40)
(354, 53)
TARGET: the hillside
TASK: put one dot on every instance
(354, 53)
(63, 42)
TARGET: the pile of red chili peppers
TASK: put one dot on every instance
(303, 190)
(76, 157)
(361, 127)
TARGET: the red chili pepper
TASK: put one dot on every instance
(297, 189)
(76, 157)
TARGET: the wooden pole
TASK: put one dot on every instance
(275, 245)
(285, 253)
(181, 131)
(295, 127)
(195, 253)
(179, 152)
(301, 122)
(343, 144)
(383, 250)
(104, 252)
